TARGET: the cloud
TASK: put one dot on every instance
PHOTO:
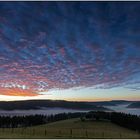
(16, 92)
(59, 46)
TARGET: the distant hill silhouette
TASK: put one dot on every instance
(111, 103)
(134, 105)
(38, 104)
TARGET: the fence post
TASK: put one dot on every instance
(59, 131)
(45, 132)
(33, 131)
(103, 134)
(22, 130)
(120, 135)
(93, 133)
(86, 134)
(71, 132)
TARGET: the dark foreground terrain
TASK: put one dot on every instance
(93, 124)
(71, 128)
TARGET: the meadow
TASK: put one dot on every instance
(71, 128)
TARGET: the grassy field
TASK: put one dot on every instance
(72, 128)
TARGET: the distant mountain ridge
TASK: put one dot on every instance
(111, 103)
(38, 104)
(134, 105)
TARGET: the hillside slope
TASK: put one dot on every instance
(71, 128)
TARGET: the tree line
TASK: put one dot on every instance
(122, 119)
(32, 120)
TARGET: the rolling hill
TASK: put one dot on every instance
(38, 104)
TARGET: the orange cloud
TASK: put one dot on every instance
(17, 92)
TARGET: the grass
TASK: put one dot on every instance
(72, 128)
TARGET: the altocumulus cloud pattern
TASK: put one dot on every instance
(48, 45)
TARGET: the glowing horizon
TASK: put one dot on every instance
(88, 94)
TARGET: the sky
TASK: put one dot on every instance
(79, 51)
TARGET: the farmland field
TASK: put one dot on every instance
(72, 128)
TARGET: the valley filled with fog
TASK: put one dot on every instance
(56, 110)
(123, 108)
